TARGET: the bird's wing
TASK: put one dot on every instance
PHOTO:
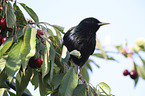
(67, 40)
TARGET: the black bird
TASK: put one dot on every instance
(83, 39)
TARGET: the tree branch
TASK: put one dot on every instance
(13, 86)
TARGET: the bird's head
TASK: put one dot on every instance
(91, 24)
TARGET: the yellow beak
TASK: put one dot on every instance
(103, 23)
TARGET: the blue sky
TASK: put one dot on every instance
(127, 18)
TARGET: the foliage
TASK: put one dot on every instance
(58, 75)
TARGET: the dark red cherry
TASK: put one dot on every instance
(3, 23)
(4, 39)
(125, 72)
(133, 74)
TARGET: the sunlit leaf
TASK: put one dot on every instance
(5, 46)
(29, 45)
(13, 62)
(46, 63)
(2, 64)
(65, 54)
(105, 88)
(76, 53)
(69, 83)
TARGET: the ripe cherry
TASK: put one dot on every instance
(133, 74)
(39, 32)
(39, 62)
(35, 63)
(125, 73)
(3, 23)
(4, 39)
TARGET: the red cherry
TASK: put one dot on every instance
(133, 74)
(125, 73)
(3, 22)
(39, 62)
(32, 62)
(35, 63)
(39, 32)
(4, 39)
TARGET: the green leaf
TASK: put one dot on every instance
(11, 93)
(5, 46)
(59, 28)
(3, 78)
(19, 15)
(141, 71)
(80, 90)
(143, 61)
(13, 62)
(51, 50)
(46, 63)
(98, 55)
(93, 62)
(119, 48)
(69, 83)
(101, 49)
(30, 12)
(42, 86)
(10, 16)
(85, 74)
(105, 88)
(57, 80)
(29, 45)
(65, 54)
(22, 81)
(91, 91)
(2, 64)
(2, 91)
(34, 79)
(49, 55)
(76, 53)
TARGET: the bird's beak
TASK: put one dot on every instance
(103, 23)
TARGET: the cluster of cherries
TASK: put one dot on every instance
(35, 62)
(3, 26)
(133, 74)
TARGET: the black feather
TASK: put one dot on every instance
(82, 38)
